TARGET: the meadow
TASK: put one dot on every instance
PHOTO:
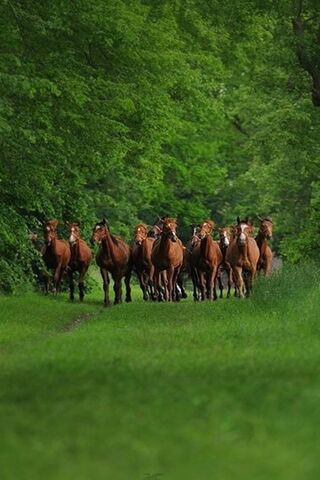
(220, 390)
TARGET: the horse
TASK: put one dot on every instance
(224, 242)
(37, 265)
(81, 258)
(264, 234)
(206, 258)
(114, 256)
(243, 255)
(190, 267)
(56, 254)
(167, 258)
(141, 259)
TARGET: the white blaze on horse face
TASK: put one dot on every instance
(242, 236)
(226, 239)
(72, 238)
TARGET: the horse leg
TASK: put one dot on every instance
(180, 283)
(46, 282)
(117, 289)
(106, 281)
(239, 281)
(214, 278)
(194, 283)
(81, 282)
(153, 294)
(202, 285)
(220, 283)
(170, 284)
(229, 272)
(164, 282)
(143, 285)
(57, 279)
(71, 284)
(127, 279)
(175, 279)
(210, 284)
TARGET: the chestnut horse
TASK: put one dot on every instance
(114, 256)
(141, 260)
(81, 257)
(264, 234)
(167, 257)
(243, 255)
(206, 257)
(56, 254)
(224, 242)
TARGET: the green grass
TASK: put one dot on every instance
(190, 391)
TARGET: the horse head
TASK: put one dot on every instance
(74, 229)
(99, 231)
(194, 234)
(140, 233)
(224, 236)
(50, 231)
(205, 229)
(169, 228)
(266, 227)
(243, 230)
(156, 230)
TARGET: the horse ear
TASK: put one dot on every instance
(247, 219)
(238, 220)
(104, 221)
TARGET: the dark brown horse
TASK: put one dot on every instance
(224, 242)
(81, 257)
(191, 267)
(114, 256)
(206, 257)
(264, 234)
(243, 255)
(167, 257)
(141, 260)
(56, 253)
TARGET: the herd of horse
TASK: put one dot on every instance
(160, 260)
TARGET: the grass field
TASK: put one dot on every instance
(229, 390)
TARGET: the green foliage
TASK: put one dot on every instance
(130, 109)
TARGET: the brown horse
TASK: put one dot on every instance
(56, 253)
(167, 257)
(206, 257)
(190, 259)
(114, 256)
(81, 257)
(264, 234)
(141, 260)
(224, 242)
(243, 255)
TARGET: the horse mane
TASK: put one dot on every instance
(209, 222)
(115, 239)
(141, 225)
